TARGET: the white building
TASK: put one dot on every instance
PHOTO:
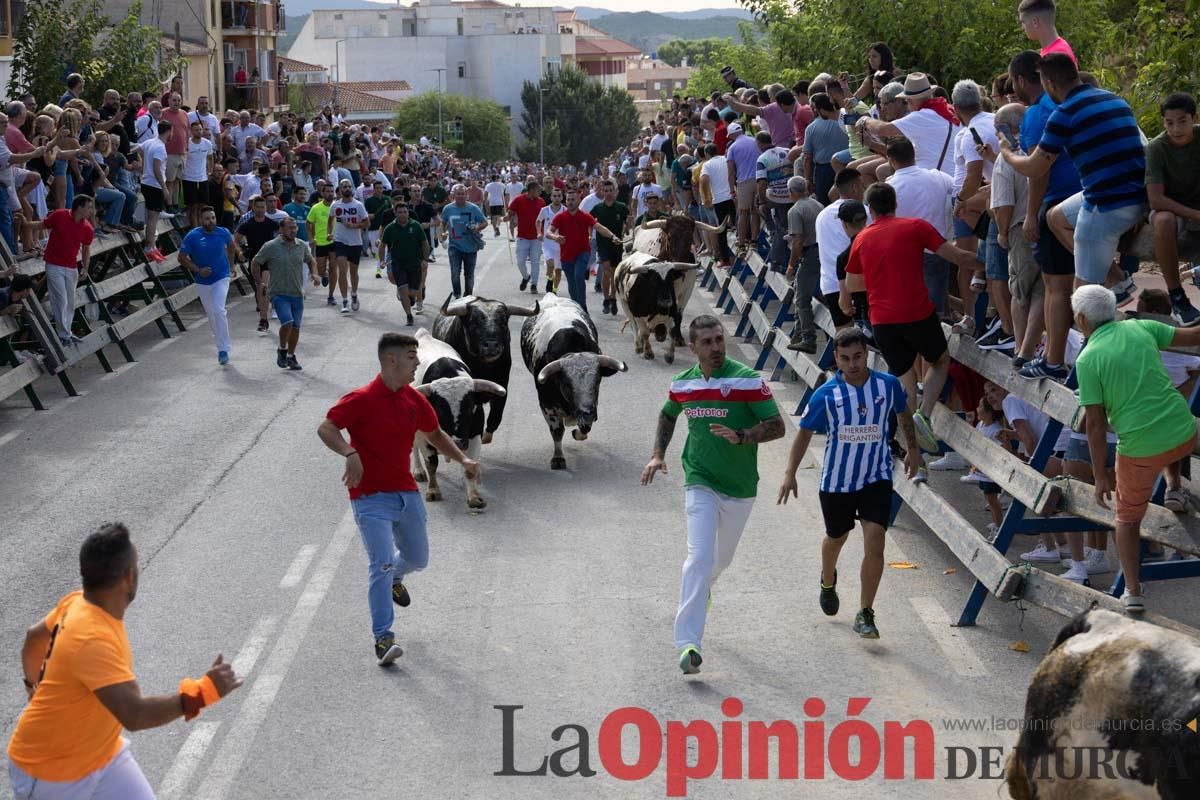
(480, 48)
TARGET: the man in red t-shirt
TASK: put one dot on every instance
(572, 229)
(70, 243)
(525, 207)
(887, 260)
(383, 417)
(177, 147)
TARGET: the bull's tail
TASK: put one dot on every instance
(1016, 778)
(625, 325)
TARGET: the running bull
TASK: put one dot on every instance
(561, 349)
(655, 282)
(478, 329)
(1111, 713)
(457, 399)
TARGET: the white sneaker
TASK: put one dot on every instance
(1176, 500)
(418, 307)
(992, 531)
(1076, 572)
(1041, 555)
(974, 476)
(950, 461)
(1005, 500)
(1134, 603)
(1096, 561)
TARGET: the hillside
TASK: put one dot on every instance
(647, 31)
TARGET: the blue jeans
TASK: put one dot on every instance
(1097, 234)
(529, 250)
(6, 221)
(114, 202)
(462, 262)
(392, 527)
(576, 271)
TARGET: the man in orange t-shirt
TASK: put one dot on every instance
(79, 675)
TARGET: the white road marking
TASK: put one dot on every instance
(54, 409)
(247, 657)
(236, 745)
(8, 437)
(955, 647)
(156, 347)
(121, 370)
(299, 565)
(175, 782)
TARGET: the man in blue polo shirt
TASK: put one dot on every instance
(853, 409)
(1057, 263)
(1100, 133)
(207, 252)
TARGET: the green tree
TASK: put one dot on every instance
(486, 132)
(588, 120)
(299, 103)
(698, 52)
(55, 38)
(133, 60)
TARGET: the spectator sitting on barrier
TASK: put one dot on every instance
(1123, 384)
(12, 295)
(1173, 189)
(891, 107)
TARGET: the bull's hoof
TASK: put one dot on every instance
(678, 340)
(579, 435)
(476, 502)
(558, 462)
(486, 438)
(669, 358)
(637, 348)
(420, 477)
(648, 355)
(433, 495)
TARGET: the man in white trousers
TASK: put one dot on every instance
(207, 252)
(67, 256)
(730, 411)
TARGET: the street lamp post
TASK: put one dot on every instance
(439, 71)
(338, 63)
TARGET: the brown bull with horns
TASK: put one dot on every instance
(655, 282)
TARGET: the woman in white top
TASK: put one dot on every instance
(550, 249)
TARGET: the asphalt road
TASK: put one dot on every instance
(559, 597)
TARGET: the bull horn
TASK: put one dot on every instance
(654, 224)
(639, 269)
(550, 370)
(683, 266)
(489, 387)
(609, 362)
(423, 388)
(523, 311)
(459, 310)
(704, 226)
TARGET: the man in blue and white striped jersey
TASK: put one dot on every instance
(853, 409)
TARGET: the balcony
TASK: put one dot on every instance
(264, 96)
(246, 16)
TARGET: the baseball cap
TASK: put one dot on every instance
(734, 129)
(725, 70)
(852, 211)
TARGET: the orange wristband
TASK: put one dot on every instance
(197, 694)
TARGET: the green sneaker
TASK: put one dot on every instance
(690, 660)
(386, 650)
(926, 438)
(829, 597)
(864, 624)
(400, 595)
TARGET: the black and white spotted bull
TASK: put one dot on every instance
(477, 329)
(655, 282)
(1111, 713)
(561, 349)
(458, 400)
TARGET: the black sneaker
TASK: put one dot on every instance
(293, 364)
(864, 624)
(829, 598)
(400, 595)
(354, 302)
(329, 301)
(281, 359)
(524, 283)
(803, 345)
(1004, 342)
(386, 650)
(325, 281)
(1185, 313)
(409, 322)
(263, 326)
(549, 286)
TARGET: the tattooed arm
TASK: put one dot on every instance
(662, 438)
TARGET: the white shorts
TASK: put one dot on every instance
(551, 252)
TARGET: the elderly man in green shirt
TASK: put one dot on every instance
(285, 258)
(1123, 384)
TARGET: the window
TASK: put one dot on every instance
(462, 69)
(337, 16)
(460, 26)
(657, 85)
